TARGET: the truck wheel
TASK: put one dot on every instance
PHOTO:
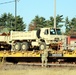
(25, 46)
(42, 46)
(17, 46)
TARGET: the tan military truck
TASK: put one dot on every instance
(21, 40)
(37, 38)
(4, 39)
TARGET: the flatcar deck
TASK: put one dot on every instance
(20, 54)
(59, 54)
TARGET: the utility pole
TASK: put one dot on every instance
(54, 13)
(15, 10)
(15, 14)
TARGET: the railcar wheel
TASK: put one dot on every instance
(25, 46)
(42, 46)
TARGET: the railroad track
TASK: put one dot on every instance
(49, 64)
(39, 64)
(34, 66)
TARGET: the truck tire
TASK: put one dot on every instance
(42, 46)
(17, 46)
(25, 46)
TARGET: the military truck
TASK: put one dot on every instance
(21, 40)
(4, 38)
(37, 38)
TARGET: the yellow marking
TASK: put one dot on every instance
(35, 53)
(19, 54)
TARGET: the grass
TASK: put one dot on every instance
(41, 71)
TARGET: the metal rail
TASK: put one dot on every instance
(39, 64)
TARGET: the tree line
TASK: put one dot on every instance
(8, 21)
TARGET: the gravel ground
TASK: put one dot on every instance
(26, 67)
(18, 67)
(35, 70)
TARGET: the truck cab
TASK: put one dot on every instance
(51, 36)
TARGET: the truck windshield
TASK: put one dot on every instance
(58, 31)
(55, 31)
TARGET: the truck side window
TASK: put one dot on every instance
(52, 31)
(46, 32)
